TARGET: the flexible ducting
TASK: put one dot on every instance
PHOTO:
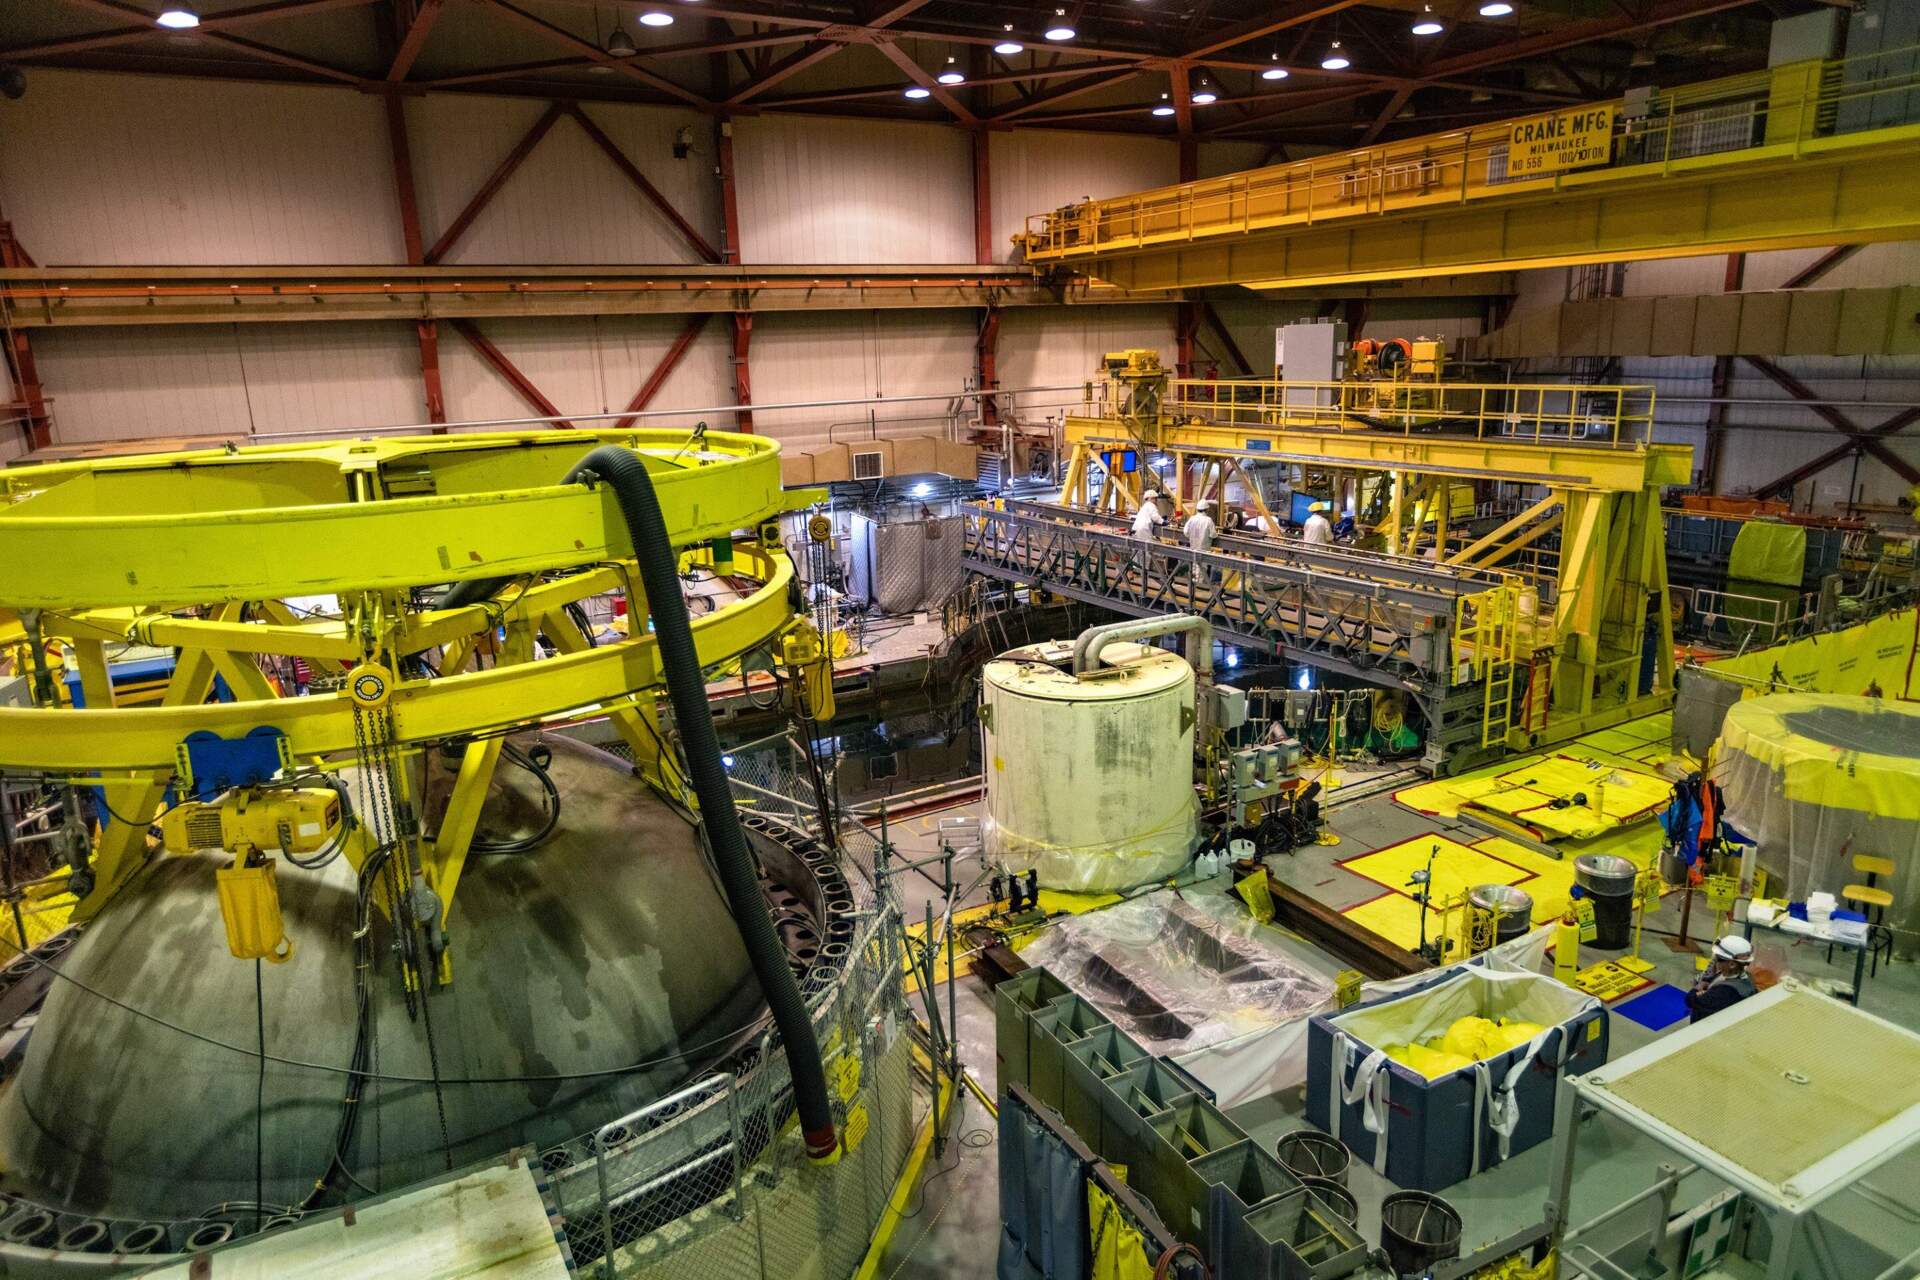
(632, 488)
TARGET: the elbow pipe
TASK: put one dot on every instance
(1199, 634)
(632, 488)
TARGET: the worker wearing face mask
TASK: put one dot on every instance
(1726, 981)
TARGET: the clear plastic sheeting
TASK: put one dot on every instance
(1106, 865)
(1180, 972)
(1814, 779)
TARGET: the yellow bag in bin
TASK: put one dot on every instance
(1431, 1063)
(1510, 1035)
(1467, 1037)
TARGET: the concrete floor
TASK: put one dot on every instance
(955, 1226)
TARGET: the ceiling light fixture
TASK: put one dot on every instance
(656, 18)
(1061, 29)
(1007, 48)
(620, 44)
(1163, 110)
(1335, 59)
(1204, 95)
(1428, 25)
(1275, 72)
(1495, 9)
(951, 75)
(917, 91)
(178, 16)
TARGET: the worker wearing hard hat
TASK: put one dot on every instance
(1317, 531)
(1148, 518)
(1199, 528)
(1726, 981)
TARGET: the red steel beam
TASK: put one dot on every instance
(508, 370)
(819, 50)
(687, 230)
(729, 195)
(662, 371)
(920, 76)
(1226, 337)
(1858, 440)
(987, 365)
(1732, 282)
(742, 380)
(425, 14)
(426, 332)
(1783, 485)
(491, 187)
(1821, 265)
(18, 354)
(660, 54)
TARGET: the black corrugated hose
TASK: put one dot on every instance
(632, 487)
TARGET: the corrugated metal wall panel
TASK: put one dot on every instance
(586, 366)
(102, 169)
(848, 355)
(567, 203)
(1037, 171)
(1063, 348)
(815, 190)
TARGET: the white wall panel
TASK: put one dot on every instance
(1063, 347)
(586, 366)
(851, 355)
(1037, 171)
(818, 190)
(157, 171)
(567, 202)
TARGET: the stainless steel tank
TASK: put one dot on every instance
(590, 976)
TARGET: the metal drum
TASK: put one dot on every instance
(1511, 909)
(1608, 880)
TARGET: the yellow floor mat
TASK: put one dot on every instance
(1568, 798)
(1639, 744)
(1395, 917)
(1456, 868)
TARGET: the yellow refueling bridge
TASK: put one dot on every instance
(1570, 467)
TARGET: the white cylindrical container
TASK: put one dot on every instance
(1089, 778)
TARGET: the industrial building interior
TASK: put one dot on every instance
(887, 639)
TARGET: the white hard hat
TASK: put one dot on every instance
(1733, 947)
(1204, 504)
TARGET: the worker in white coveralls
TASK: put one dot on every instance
(1726, 981)
(1199, 528)
(1317, 531)
(1148, 518)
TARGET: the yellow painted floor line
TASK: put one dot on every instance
(903, 1189)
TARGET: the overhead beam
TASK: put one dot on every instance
(1783, 485)
(1818, 268)
(1862, 441)
(425, 14)
(594, 53)
(143, 24)
(833, 39)
(920, 76)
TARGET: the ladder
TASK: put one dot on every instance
(1485, 635)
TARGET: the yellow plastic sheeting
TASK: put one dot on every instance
(1119, 1248)
(1614, 796)
(1874, 655)
(1456, 868)
(1770, 553)
(1395, 917)
(1841, 761)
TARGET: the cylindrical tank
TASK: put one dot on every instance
(589, 976)
(1089, 778)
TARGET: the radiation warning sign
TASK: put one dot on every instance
(1573, 139)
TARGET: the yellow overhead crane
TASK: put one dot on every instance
(1583, 457)
(209, 553)
(1774, 159)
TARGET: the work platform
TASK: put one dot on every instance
(1384, 619)
(1769, 160)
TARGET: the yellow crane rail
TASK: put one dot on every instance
(1765, 160)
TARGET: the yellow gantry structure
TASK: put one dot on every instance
(210, 553)
(1775, 159)
(1581, 457)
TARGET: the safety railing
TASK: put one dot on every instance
(1735, 620)
(1613, 416)
(1788, 110)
